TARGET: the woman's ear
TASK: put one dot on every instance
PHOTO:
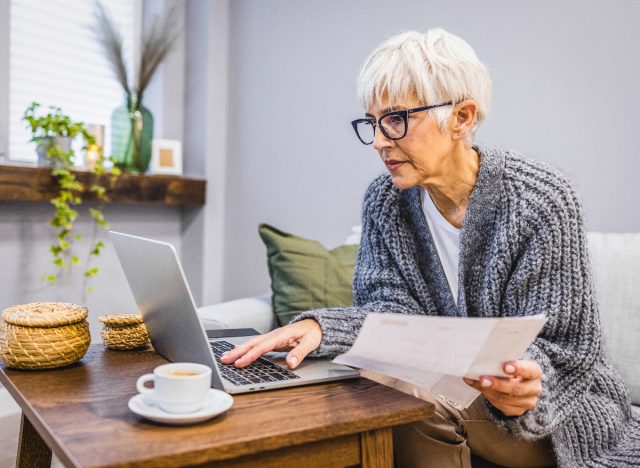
(464, 117)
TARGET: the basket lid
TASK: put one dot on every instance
(115, 320)
(45, 314)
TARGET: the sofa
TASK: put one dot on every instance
(615, 262)
(616, 266)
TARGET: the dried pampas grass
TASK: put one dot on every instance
(156, 42)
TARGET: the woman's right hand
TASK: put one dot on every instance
(299, 338)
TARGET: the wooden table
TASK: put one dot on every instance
(80, 412)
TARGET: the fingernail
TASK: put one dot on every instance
(485, 383)
(469, 381)
(509, 368)
(293, 360)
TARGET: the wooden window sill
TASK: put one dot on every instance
(31, 183)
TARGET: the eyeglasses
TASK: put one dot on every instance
(393, 124)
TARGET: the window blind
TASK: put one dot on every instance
(54, 59)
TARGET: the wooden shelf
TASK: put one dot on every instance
(29, 183)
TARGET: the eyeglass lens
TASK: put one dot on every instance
(394, 126)
(366, 131)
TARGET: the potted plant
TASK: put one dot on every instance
(53, 133)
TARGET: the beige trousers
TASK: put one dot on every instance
(452, 437)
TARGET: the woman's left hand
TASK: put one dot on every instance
(513, 395)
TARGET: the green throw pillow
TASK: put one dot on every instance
(305, 275)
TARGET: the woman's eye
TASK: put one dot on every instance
(395, 119)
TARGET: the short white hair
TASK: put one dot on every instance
(436, 66)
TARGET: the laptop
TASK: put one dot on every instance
(160, 289)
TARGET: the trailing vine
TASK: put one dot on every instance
(46, 132)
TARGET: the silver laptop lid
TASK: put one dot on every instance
(160, 289)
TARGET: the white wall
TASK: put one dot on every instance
(565, 91)
(269, 91)
(25, 238)
(25, 235)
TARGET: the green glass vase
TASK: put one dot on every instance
(131, 135)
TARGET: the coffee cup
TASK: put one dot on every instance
(179, 387)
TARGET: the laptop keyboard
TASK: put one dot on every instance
(259, 371)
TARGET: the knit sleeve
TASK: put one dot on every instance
(377, 284)
(552, 276)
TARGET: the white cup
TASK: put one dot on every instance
(179, 387)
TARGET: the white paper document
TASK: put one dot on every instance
(436, 352)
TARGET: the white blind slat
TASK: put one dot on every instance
(55, 60)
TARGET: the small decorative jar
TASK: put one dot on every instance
(43, 335)
(123, 331)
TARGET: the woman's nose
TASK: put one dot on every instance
(380, 141)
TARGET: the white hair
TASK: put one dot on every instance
(436, 66)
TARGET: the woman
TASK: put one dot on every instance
(461, 230)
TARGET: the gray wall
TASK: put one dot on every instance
(565, 91)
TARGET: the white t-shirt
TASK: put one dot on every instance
(447, 240)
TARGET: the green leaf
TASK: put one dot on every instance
(52, 278)
(75, 260)
(93, 271)
(96, 214)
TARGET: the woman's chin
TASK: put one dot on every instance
(401, 183)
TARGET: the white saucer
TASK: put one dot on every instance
(217, 402)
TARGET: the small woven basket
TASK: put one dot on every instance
(43, 335)
(123, 331)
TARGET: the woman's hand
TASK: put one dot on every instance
(299, 338)
(513, 395)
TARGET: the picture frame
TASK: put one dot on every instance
(166, 157)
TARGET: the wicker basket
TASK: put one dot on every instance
(43, 335)
(123, 331)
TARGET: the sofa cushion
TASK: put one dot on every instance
(248, 312)
(305, 275)
(615, 259)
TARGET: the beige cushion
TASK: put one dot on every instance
(249, 312)
(616, 269)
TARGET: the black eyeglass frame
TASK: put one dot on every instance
(402, 113)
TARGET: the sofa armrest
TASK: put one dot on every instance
(249, 312)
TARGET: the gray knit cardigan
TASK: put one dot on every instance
(522, 252)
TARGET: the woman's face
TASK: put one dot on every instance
(418, 157)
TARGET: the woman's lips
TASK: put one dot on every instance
(392, 164)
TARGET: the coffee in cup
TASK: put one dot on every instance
(181, 373)
(179, 387)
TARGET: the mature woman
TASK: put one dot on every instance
(461, 230)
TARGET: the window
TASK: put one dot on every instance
(54, 59)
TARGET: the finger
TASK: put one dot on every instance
(472, 382)
(235, 353)
(502, 400)
(524, 369)
(263, 347)
(297, 354)
(508, 409)
(496, 399)
(507, 399)
(516, 386)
